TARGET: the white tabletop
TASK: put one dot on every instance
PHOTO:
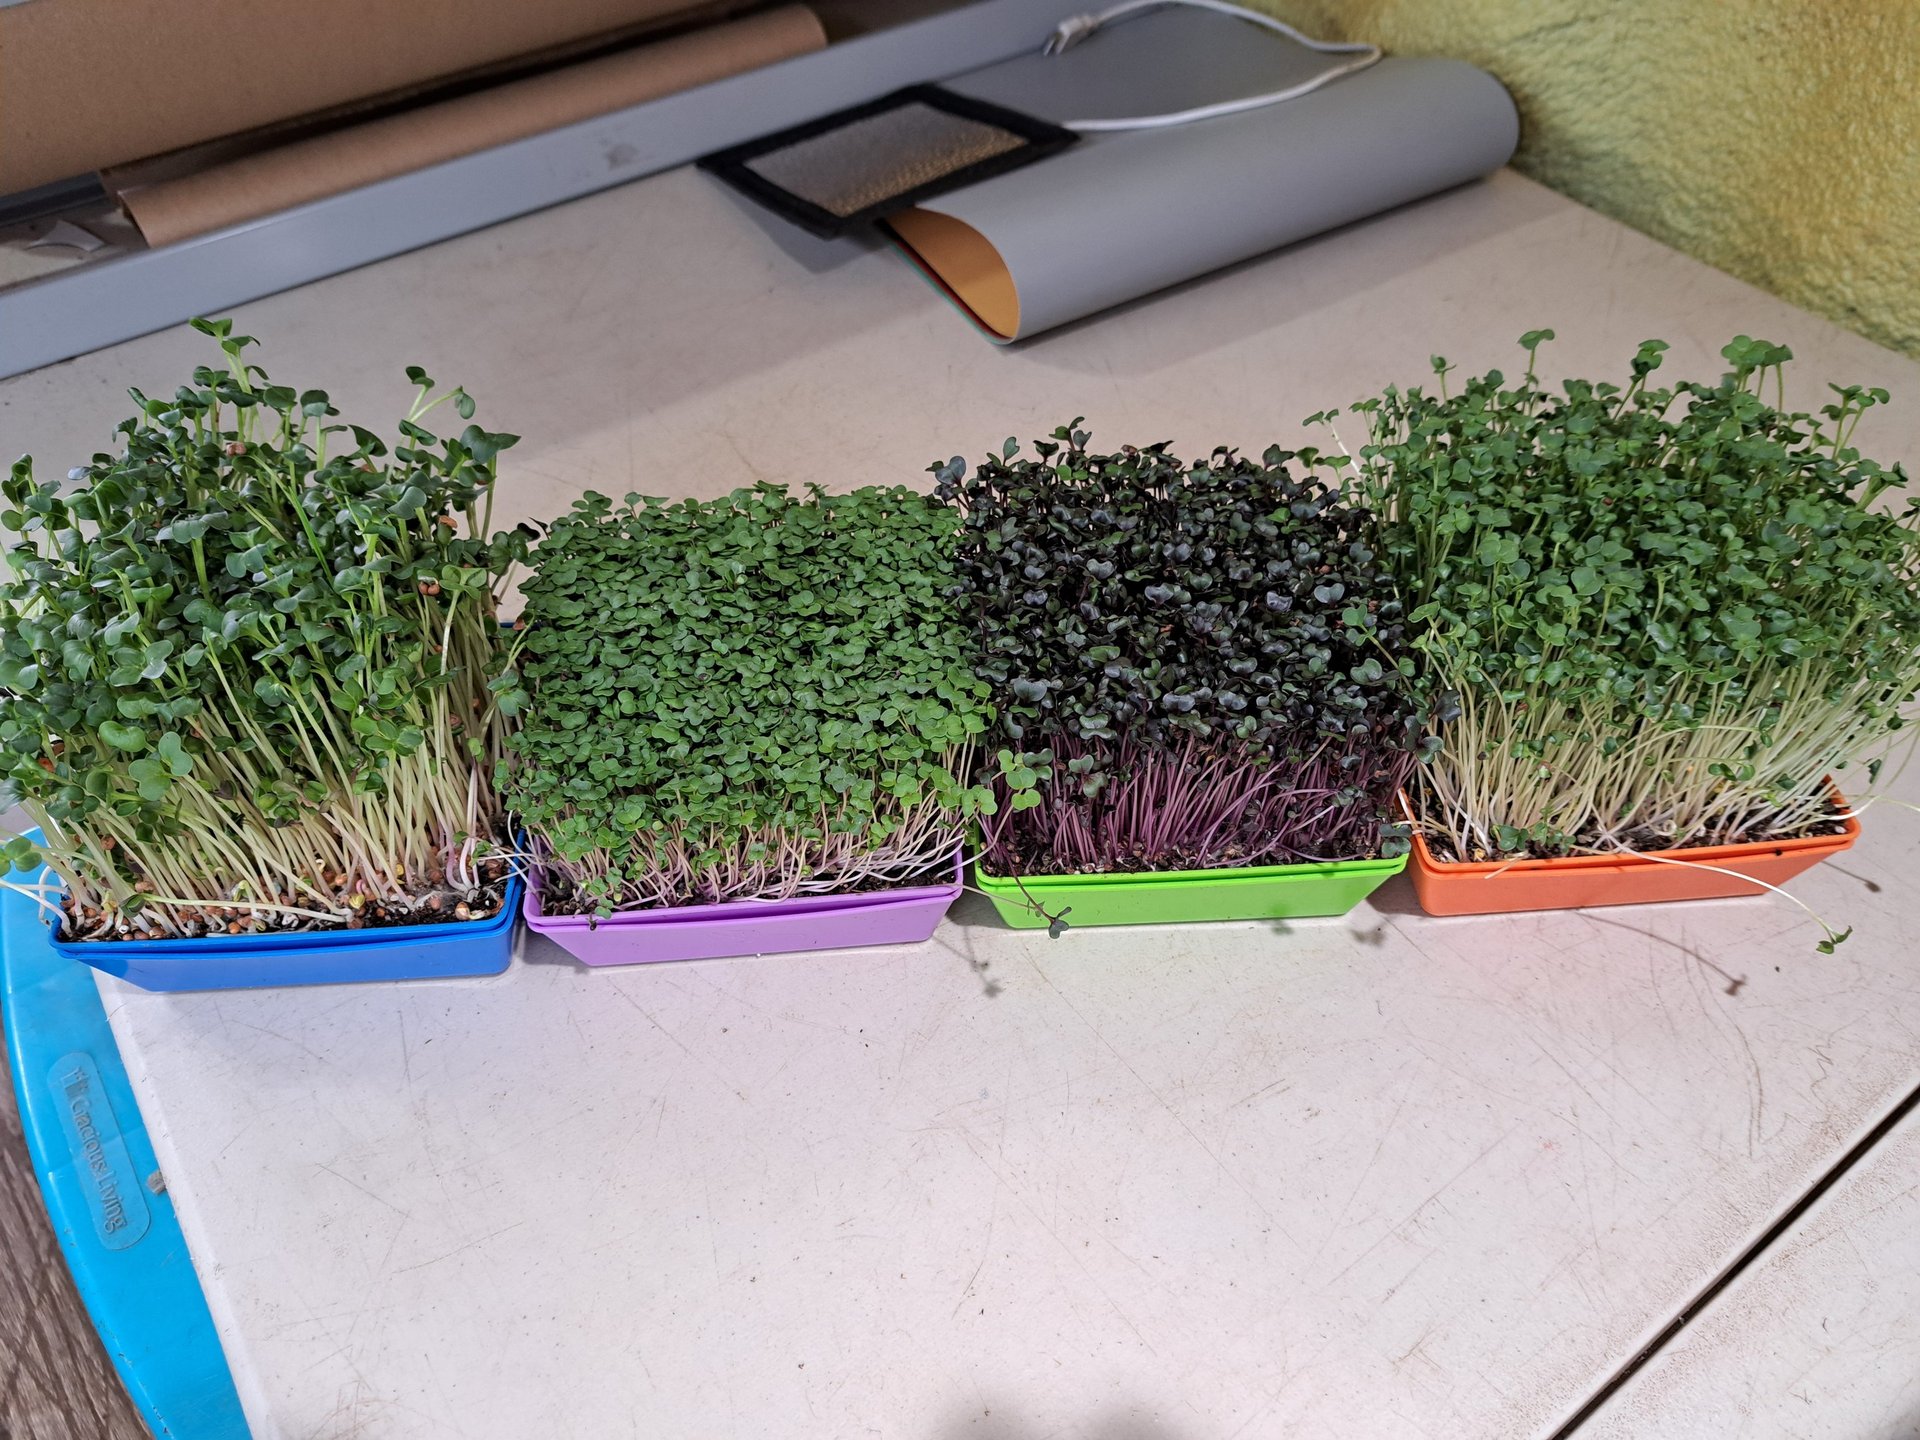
(1818, 1340)
(1383, 1176)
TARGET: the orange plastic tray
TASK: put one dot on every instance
(1494, 887)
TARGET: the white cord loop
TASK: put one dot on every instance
(1072, 31)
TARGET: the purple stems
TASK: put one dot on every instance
(1203, 805)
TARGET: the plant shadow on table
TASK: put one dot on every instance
(973, 914)
(970, 914)
(810, 252)
(991, 1421)
(1729, 982)
(1396, 898)
(1905, 1428)
(539, 950)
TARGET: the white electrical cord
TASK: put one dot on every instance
(1072, 31)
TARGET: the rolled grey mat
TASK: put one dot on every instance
(1123, 214)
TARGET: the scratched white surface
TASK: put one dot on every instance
(1388, 1176)
(1818, 1340)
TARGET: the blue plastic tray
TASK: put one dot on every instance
(334, 957)
(98, 1171)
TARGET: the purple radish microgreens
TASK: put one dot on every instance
(1195, 666)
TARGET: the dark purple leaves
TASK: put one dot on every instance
(1229, 613)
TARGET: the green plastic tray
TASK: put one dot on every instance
(1172, 897)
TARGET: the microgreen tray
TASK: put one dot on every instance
(330, 957)
(1580, 882)
(907, 915)
(1172, 897)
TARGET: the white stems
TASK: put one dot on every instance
(831, 854)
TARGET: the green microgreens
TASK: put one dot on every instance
(1667, 614)
(753, 697)
(251, 676)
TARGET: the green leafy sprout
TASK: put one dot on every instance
(754, 697)
(1666, 615)
(251, 676)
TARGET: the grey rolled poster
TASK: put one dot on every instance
(1123, 214)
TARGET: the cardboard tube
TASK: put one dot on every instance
(95, 83)
(357, 155)
(86, 84)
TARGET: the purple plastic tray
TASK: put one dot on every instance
(906, 916)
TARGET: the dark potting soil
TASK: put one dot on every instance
(430, 907)
(1829, 824)
(1009, 861)
(558, 897)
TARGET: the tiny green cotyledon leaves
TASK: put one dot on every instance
(759, 696)
(250, 674)
(1666, 614)
(1195, 665)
